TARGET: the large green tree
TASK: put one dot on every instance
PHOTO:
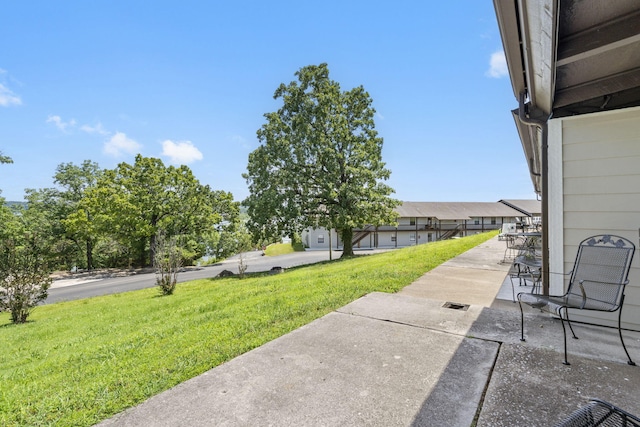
(133, 203)
(319, 163)
(75, 181)
(43, 214)
(54, 212)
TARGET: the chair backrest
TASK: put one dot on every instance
(602, 268)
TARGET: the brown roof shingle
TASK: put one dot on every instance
(456, 210)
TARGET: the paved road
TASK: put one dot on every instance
(66, 290)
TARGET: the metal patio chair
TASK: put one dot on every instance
(527, 264)
(525, 270)
(599, 413)
(515, 245)
(596, 282)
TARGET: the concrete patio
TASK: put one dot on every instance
(406, 360)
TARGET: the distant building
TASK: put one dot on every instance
(530, 208)
(424, 222)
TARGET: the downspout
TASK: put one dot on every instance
(544, 174)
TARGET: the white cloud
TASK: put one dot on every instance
(94, 129)
(59, 123)
(120, 144)
(7, 97)
(497, 65)
(181, 152)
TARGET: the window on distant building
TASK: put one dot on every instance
(320, 238)
(412, 221)
(412, 237)
(476, 221)
(393, 237)
(493, 220)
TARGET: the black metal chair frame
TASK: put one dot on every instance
(515, 244)
(525, 270)
(597, 282)
(599, 413)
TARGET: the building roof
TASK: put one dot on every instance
(567, 58)
(456, 210)
(529, 207)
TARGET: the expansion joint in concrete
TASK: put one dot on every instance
(413, 325)
(486, 385)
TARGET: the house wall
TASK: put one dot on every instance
(600, 173)
(423, 230)
(318, 238)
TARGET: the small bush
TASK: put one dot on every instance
(242, 265)
(24, 278)
(168, 261)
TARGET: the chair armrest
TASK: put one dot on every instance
(584, 295)
(561, 274)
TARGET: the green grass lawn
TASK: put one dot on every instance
(276, 249)
(79, 362)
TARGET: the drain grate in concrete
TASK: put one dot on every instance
(456, 306)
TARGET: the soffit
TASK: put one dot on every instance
(598, 56)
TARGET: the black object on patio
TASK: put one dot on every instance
(596, 282)
(599, 413)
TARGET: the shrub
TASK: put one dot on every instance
(242, 265)
(167, 261)
(24, 277)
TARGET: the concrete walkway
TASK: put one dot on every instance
(406, 360)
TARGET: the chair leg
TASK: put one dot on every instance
(564, 333)
(536, 284)
(521, 320)
(566, 312)
(629, 362)
(513, 291)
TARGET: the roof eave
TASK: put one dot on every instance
(530, 55)
(507, 16)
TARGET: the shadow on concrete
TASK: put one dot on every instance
(527, 383)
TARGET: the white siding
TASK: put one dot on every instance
(600, 173)
(555, 204)
(318, 238)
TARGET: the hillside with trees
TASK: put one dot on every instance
(100, 218)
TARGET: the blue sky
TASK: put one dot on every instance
(189, 82)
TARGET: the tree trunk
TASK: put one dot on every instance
(152, 240)
(152, 251)
(89, 248)
(346, 235)
(89, 255)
